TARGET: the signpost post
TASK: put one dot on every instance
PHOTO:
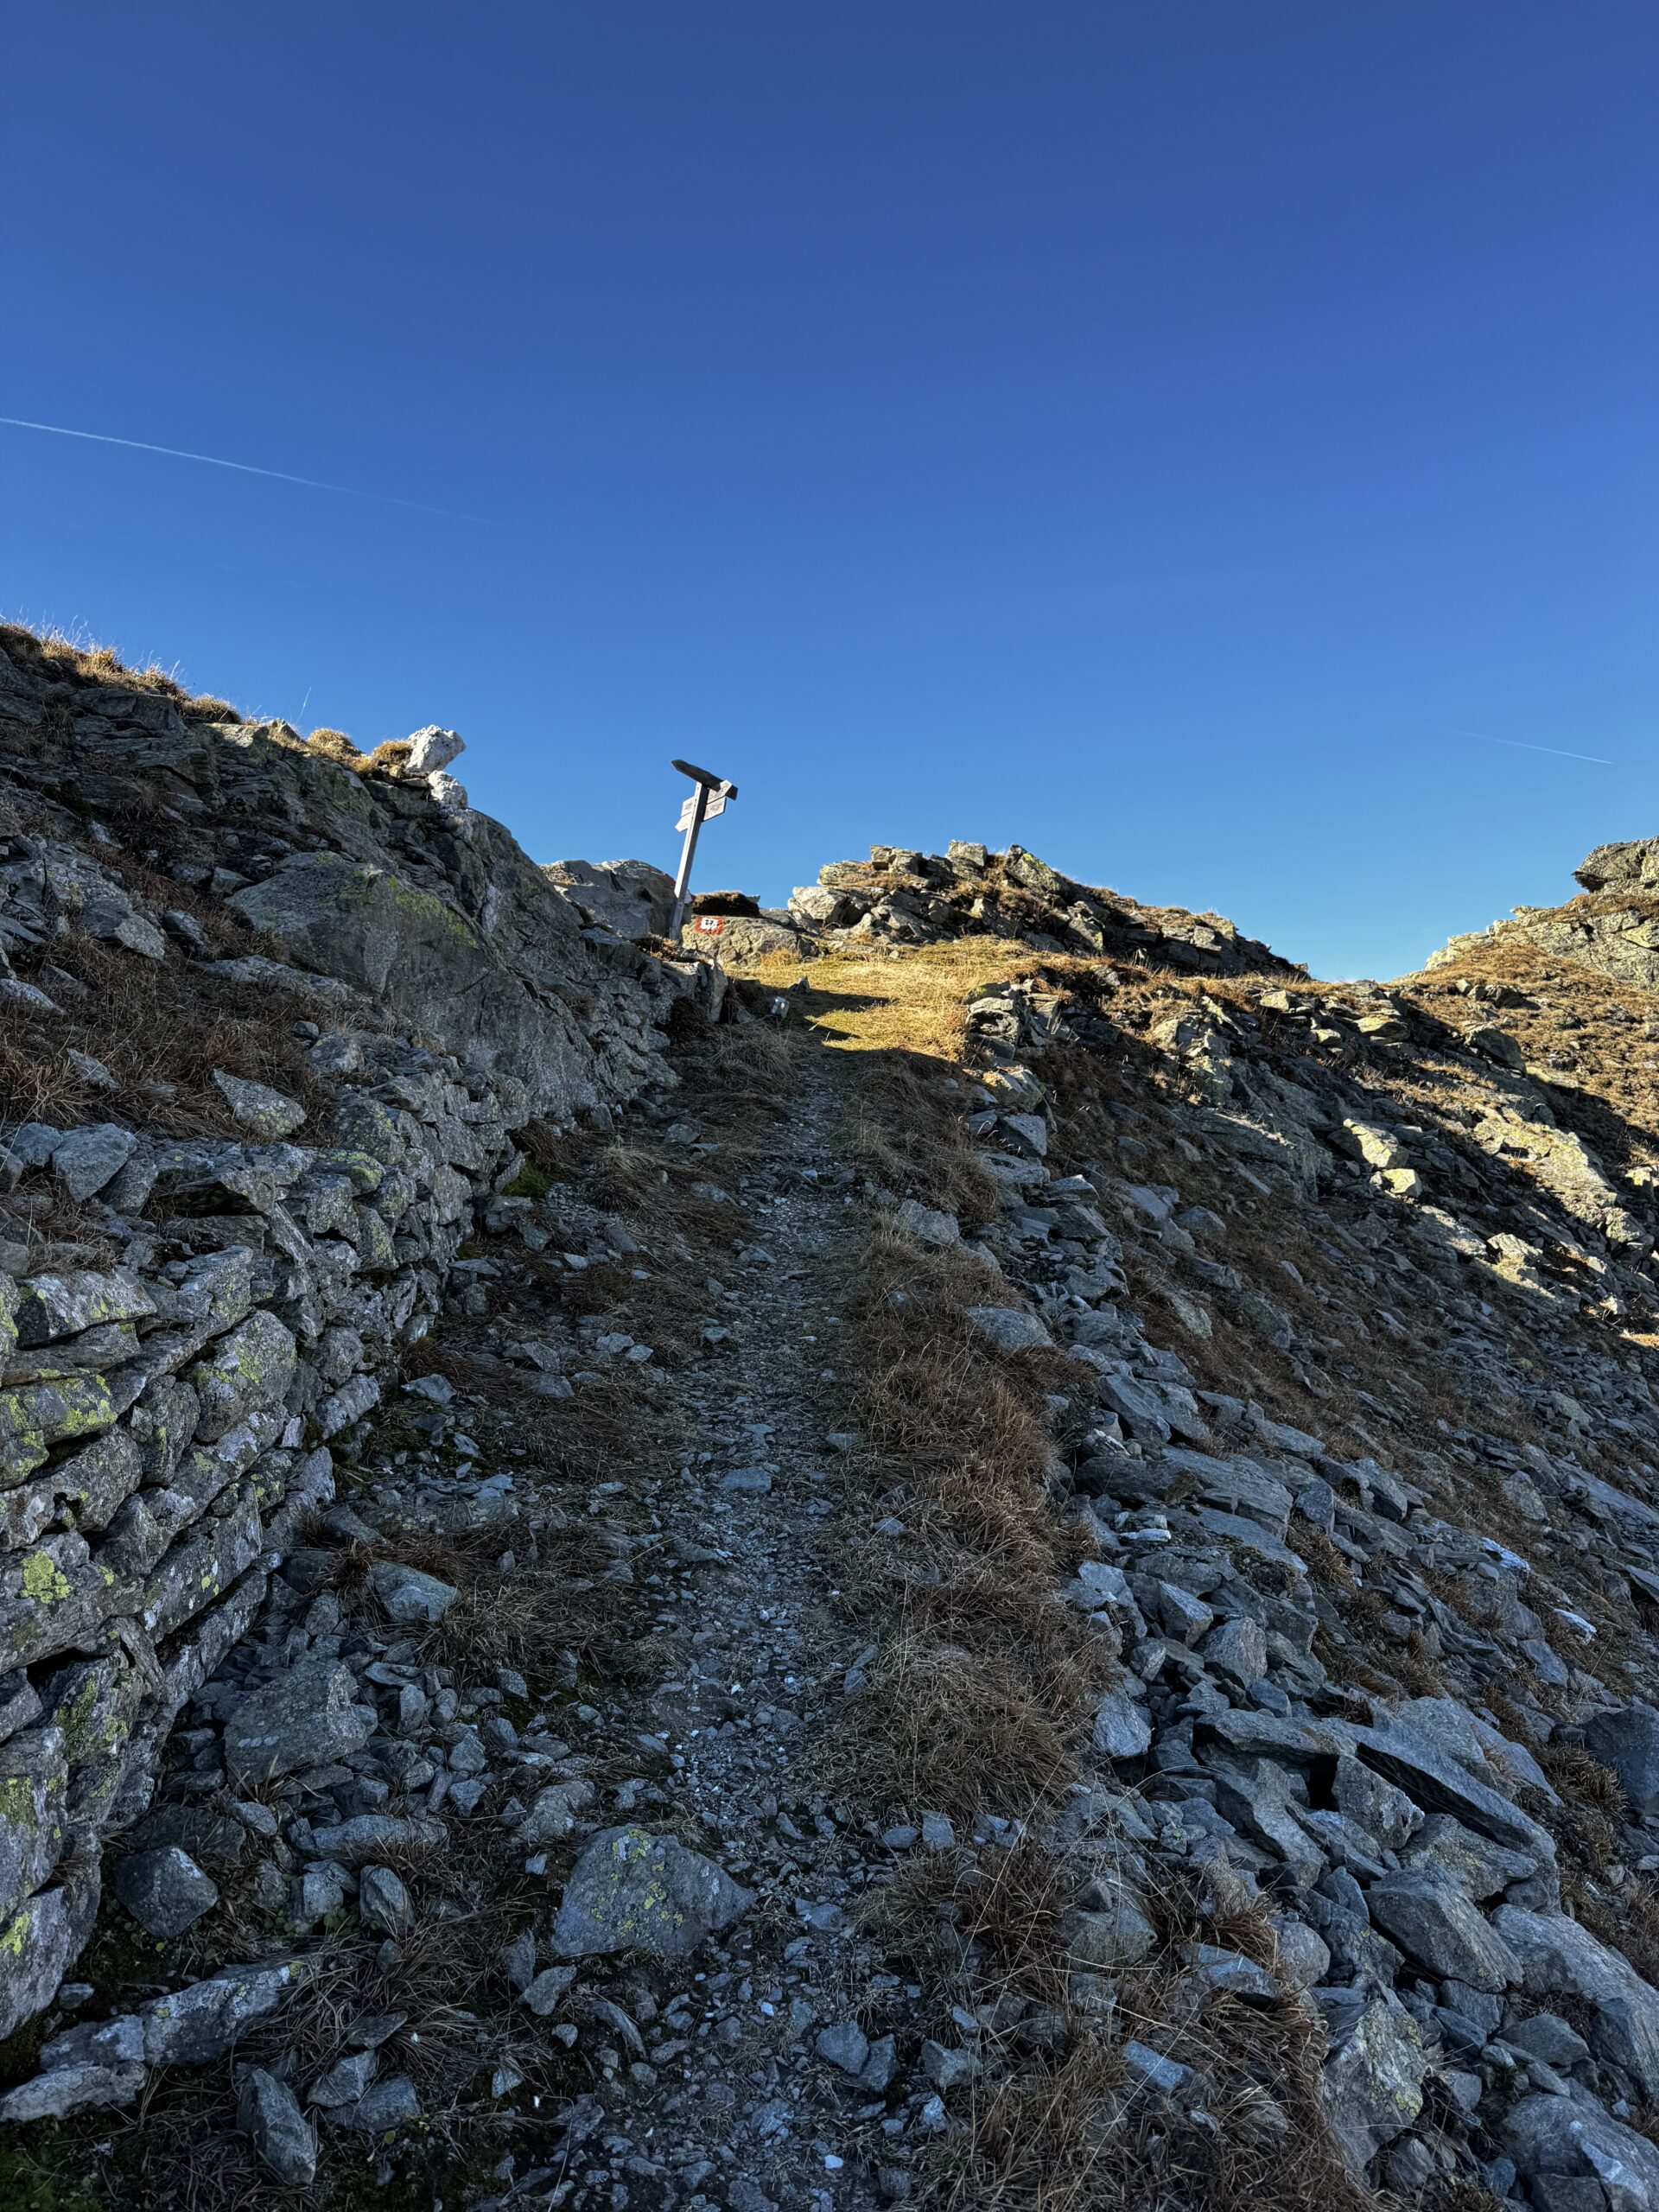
(710, 798)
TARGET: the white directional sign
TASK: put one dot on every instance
(716, 804)
(708, 800)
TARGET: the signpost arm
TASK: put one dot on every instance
(683, 882)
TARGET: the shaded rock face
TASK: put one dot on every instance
(903, 897)
(175, 1389)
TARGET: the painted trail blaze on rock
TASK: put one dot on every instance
(631, 1891)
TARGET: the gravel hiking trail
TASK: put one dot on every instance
(761, 2081)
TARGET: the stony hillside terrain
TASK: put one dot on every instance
(975, 1547)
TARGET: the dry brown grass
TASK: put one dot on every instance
(907, 1134)
(553, 1598)
(334, 745)
(1065, 2130)
(390, 755)
(910, 1003)
(159, 1029)
(55, 656)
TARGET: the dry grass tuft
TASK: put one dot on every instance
(54, 655)
(1067, 2127)
(553, 1598)
(390, 755)
(334, 745)
(204, 708)
(907, 1134)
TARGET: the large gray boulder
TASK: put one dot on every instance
(1373, 2086)
(1434, 1923)
(1556, 1955)
(631, 1891)
(1632, 866)
(1573, 2135)
(307, 1716)
(629, 898)
(490, 993)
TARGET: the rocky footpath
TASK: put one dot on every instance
(268, 1022)
(710, 1624)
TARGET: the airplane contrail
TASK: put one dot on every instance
(242, 467)
(1521, 745)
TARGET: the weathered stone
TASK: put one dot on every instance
(52, 1307)
(1432, 1779)
(266, 1113)
(344, 2080)
(1373, 2082)
(39, 1942)
(1628, 1741)
(1115, 1934)
(206, 2020)
(1238, 1647)
(1434, 1923)
(43, 1413)
(1151, 2070)
(306, 1717)
(269, 2114)
(87, 1158)
(926, 1223)
(1557, 1955)
(552, 1815)
(1381, 1810)
(633, 1890)
(164, 1890)
(250, 1368)
(382, 1902)
(33, 1782)
(1230, 1974)
(546, 1990)
(629, 898)
(408, 1597)
(1453, 1852)
(1122, 1728)
(388, 2106)
(432, 748)
(1549, 2135)
(71, 2088)
(366, 1835)
(1008, 1328)
(844, 2046)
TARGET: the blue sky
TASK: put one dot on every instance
(1149, 433)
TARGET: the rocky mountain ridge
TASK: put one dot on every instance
(605, 1604)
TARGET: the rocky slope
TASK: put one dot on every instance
(1031, 1584)
(267, 1022)
(900, 897)
(1612, 926)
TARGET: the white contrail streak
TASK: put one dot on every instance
(1521, 745)
(242, 467)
